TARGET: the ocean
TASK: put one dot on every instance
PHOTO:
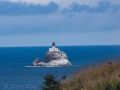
(14, 75)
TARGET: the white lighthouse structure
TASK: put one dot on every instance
(53, 57)
(53, 49)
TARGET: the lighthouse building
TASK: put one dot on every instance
(53, 49)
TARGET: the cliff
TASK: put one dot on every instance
(53, 57)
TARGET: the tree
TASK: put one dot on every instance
(52, 83)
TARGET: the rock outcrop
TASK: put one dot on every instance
(54, 57)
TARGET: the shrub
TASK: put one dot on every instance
(52, 83)
(114, 85)
(119, 75)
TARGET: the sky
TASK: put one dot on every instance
(66, 22)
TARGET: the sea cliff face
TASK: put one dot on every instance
(54, 57)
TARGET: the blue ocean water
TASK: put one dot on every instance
(15, 76)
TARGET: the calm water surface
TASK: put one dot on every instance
(15, 76)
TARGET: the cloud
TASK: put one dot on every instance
(61, 3)
(19, 8)
(23, 8)
(66, 3)
(93, 38)
(100, 8)
(99, 24)
(60, 23)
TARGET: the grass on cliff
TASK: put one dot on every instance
(100, 76)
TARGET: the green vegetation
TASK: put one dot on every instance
(52, 83)
(113, 85)
(102, 76)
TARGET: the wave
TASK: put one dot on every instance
(53, 66)
(43, 66)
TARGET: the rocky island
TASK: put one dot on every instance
(54, 57)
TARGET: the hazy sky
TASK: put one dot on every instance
(66, 22)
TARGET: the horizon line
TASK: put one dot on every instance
(63, 45)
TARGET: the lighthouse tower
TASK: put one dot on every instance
(53, 49)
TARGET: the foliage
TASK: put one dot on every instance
(113, 85)
(100, 76)
(119, 75)
(52, 83)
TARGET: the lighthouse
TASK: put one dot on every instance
(53, 57)
(53, 49)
